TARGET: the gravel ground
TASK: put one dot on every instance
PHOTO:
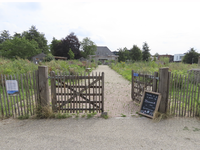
(117, 133)
(117, 93)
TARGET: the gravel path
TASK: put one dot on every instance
(117, 93)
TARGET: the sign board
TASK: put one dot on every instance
(12, 86)
(150, 103)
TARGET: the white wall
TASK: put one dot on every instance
(178, 57)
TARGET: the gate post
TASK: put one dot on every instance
(53, 92)
(43, 85)
(163, 88)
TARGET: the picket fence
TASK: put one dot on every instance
(23, 102)
(184, 94)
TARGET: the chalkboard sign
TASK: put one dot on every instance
(150, 103)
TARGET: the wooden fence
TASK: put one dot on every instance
(184, 94)
(23, 102)
(77, 93)
(142, 82)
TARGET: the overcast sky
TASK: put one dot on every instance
(168, 27)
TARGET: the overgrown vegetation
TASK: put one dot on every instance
(125, 69)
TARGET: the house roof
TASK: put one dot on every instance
(103, 51)
(39, 55)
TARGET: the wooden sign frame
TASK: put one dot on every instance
(157, 103)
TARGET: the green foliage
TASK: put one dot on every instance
(54, 45)
(39, 38)
(191, 57)
(71, 54)
(145, 52)
(19, 47)
(124, 54)
(122, 115)
(49, 57)
(4, 36)
(125, 69)
(88, 47)
(16, 66)
(135, 53)
(23, 117)
(165, 60)
(69, 42)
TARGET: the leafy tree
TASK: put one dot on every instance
(124, 54)
(54, 45)
(145, 52)
(49, 57)
(71, 54)
(135, 53)
(156, 55)
(191, 57)
(19, 47)
(88, 47)
(33, 34)
(71, 41)
(4, 36)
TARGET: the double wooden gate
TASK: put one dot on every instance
(77, 93)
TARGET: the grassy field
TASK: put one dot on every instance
(125, 69)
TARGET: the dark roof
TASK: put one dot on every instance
(103, 51)
(41, 55)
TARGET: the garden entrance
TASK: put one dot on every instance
(77, 93)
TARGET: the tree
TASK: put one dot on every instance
(19, 47)
(145, 52)
(33, 34)
(191, 57)
(124, 54)
(156, 54)
(4, 36)
(71, 41)
(54, 45)
(135, 53)
(88, 47)
(71, 54)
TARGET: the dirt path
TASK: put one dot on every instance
(117, 93)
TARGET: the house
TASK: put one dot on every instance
(103, 54)
(171, 57)
(178, 57)
(38, 58)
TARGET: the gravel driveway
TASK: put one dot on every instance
(115, 133)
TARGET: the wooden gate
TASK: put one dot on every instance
(77, 93)
(142, 82)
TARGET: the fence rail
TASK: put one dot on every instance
(23, 102)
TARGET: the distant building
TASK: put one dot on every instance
(178, 57)
(38, 58)
(103, 53)
(171, 57)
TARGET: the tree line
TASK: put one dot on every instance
(135, 53)
(33, 42)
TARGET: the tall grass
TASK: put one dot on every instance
(149, 67)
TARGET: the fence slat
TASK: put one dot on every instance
(17, 102)
(102, 92)
(4, 97)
